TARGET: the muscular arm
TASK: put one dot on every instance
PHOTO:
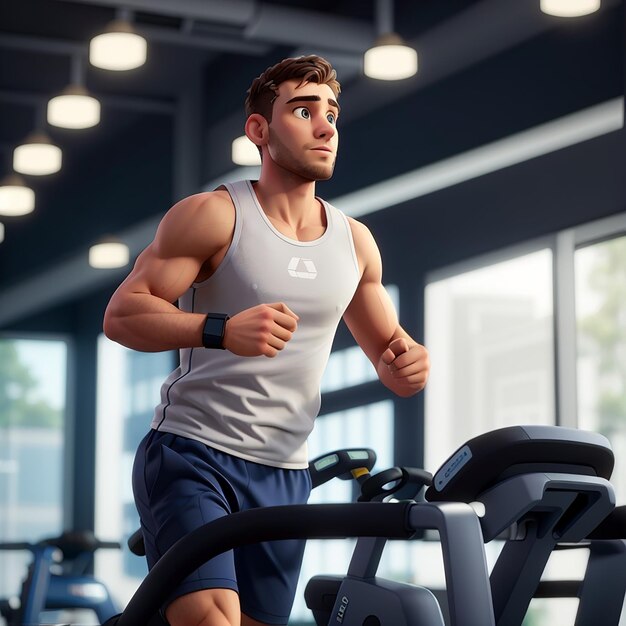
(402, 364)
(190, 242)
(141, 314)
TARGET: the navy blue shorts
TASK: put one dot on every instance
(180, 484)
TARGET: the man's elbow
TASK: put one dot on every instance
(111, 325)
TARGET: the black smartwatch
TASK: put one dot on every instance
(213, 331)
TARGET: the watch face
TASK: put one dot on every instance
(214, 327)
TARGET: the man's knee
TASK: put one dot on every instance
(209, 607)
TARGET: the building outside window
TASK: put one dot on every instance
(33, 375)
(490, 335)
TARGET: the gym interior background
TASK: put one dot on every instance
(493, 181)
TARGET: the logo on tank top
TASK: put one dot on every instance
(302, 268)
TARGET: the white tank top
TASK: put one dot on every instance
(258, 408)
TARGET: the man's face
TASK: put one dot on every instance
(303, 135)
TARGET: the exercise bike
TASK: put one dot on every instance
(57, 579)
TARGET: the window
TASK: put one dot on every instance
(489, 332)
(600, 270)
(129, 383)
(32, 426)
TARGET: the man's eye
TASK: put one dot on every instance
(331, 118)
(302, 112)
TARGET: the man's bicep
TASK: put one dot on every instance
(164, 277)
(189, 234)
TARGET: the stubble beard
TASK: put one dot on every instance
(285, 158)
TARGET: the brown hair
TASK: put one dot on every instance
(309, 69)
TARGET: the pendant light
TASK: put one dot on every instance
(569, 8)
(37, 156)
(74, 107)
(390, 58)
(15, 197)
(119, 47)
(109, 253)
(244, 152)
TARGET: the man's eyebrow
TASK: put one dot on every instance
(332, 102)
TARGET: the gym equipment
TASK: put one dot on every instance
(415, 606)
(57, 579)
(462, 546)
(540, 486)
(372, 598)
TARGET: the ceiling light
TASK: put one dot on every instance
(37, 156)
(73, 108)
(569, 8)
(15, 197)
(244, 152)
(109, 253)
(390, 59)
(119, 48)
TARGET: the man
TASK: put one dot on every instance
(263, 273)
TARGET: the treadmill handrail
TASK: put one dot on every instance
(307, 521)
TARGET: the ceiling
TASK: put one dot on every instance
(488, 68)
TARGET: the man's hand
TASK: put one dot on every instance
(262, 330)
(408, 365)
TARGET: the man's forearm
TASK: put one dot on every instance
(143, 322)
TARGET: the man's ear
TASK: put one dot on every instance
(257, 129)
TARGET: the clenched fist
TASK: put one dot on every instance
(262, 330)
(407, 365)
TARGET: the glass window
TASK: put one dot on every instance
(129, 383)
(32, 423)
(489, 332)
(601, 333)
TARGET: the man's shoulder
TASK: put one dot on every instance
(359, 229)
(206, 199)
(203, 206)
(206, 217)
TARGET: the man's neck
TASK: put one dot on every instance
(287, 197)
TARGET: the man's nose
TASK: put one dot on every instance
(325, 130)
